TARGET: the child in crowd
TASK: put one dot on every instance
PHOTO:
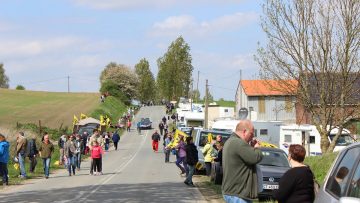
(96, 155)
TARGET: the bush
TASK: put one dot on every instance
(20, 87)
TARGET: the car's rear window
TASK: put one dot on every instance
(204, 136)
(273, 158)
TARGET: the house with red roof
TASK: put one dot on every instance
(267, 100)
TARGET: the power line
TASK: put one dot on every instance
(42, 81)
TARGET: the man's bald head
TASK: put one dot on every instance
(245, 130)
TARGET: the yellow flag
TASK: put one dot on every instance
(75, 120)
(108, 121)
(102, 120)
(266, 144)
(175, 141)
(82, 116)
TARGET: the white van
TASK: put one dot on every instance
(297, 134)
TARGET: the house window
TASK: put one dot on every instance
(226, 110)
(312, 140)
(287, 138)
(263, 132)
(261, 104)
(288, 104)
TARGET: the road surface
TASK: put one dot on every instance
(134, 173)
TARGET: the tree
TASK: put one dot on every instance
(175, 70)
(4, 80)
(315, 43)
(146, 87)
(121, 75)
(20, 87)
(195, 95)
(109, 86)
(210, 98)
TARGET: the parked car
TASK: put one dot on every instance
(187, 130)
(342, 183)
(145, 123)
(269, 171)
(201, 139)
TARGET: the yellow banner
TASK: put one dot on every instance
(175, 141)
(75, 120)
(82, 116)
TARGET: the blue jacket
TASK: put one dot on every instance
(116, 137)
(4, 152)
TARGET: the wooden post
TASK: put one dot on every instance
(40, 130)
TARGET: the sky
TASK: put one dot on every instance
(44, 43)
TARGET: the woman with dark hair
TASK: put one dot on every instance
(297, 184)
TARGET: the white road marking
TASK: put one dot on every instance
(106, 180)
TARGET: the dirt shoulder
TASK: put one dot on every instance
(210, 191)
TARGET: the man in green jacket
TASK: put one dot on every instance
(240, 156)
(46, 150)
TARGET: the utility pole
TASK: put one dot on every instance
(191, 95)
(206, 106)
(197, 87)
(68, 84)
(240, 89)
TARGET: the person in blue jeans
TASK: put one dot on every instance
(191, 160)
(4, 159)
(21, 144)
(70, 151)
(46, 150)
(79, 148)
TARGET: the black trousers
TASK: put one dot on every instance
(97, 164)
(116, 145)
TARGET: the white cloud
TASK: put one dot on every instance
(11, 48)
(126, 4)
(188, 25)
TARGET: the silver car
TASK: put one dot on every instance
(342, 183)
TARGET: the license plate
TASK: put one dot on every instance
(270, 187)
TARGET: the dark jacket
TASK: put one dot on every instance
(155, 137)
(61, 143)
(191, 154)
(219, 157)
(296, 185)
(116, 137)
(31, 148)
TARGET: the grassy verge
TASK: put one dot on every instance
(320, 165)
(112, 107)
(39, 171)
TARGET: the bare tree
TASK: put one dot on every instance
(315, 42)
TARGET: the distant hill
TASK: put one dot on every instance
(52, 108)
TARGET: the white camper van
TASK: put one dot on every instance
(297, 134)
(282, 135)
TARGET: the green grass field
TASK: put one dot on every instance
(52, 108)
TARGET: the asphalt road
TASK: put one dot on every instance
(134, 173)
